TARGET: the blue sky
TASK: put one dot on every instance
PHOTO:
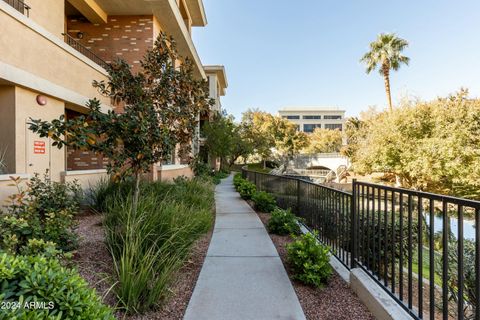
(306, 52)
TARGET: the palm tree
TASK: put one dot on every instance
(386, 52)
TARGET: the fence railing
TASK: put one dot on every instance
(20, 6)
(84, 50)
(422, 248)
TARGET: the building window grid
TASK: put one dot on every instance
(312, 117)
(332, 117)
(291, 117)
(311, 127)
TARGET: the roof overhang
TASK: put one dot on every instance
(197, 12)
(91, 10)
(219, 71)
(170, 19)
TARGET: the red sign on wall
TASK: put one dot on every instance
(39, 147)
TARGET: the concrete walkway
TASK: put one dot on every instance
(242, 277)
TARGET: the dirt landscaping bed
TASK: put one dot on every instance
(335, 301)
(95, 265)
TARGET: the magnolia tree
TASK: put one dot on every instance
(160, 107)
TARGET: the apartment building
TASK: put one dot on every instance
(309, 118)
(52, 50)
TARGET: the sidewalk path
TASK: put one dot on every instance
(242, 277)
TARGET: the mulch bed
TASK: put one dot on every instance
(94, 264)
(335, 301)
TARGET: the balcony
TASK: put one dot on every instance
(83, 50)
(20, 6)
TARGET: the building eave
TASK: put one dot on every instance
(219, 70)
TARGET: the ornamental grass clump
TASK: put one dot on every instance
(150, 244)
(309, 260)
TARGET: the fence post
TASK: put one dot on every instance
(298, 196)
(255, 178)
(353, 225)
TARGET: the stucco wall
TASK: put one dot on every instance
(50, 14)
(7, 127)
(26, 160)
(86, 179)
(40, 55)
(166, 174)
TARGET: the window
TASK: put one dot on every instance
(334, 117)
(310, 127)
(312, 117)
(334, 126)
(291, 117)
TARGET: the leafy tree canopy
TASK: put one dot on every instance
(324, 141)
(432, 146)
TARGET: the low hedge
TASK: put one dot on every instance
(264, 201)
(283, 222)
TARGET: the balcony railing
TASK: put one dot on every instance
(84, 50)
(20, 6)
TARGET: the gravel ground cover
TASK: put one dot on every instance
(335, 301)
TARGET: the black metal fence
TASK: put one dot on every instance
(422, 248)
(20, 6)
(84, 50)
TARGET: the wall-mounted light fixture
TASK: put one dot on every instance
(41, 100)
(80, 35)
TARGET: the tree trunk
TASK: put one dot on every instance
(264, 164)
(136, 192)
(386, 78)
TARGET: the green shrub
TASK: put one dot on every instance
(148, 246)
(45, 210)
(264, 202)
(237, 180)
(200, 168)
(218, 176)
(29, 279)
(247, 189)
(309, 260)
(283, 222)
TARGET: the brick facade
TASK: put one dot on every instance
(125, 37)
(83, 160)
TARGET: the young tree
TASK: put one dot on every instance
(242, 146)
(324, 141)
(288, 141)
(386, 52)
(219, 135)
(160, 106)
(255, 128)
(354, 130)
